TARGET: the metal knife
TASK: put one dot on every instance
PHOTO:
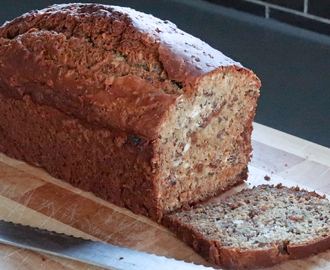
(87, 251)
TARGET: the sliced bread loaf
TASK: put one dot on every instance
(125, 105)
(256, 227)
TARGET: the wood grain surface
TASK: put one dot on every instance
(28, 195)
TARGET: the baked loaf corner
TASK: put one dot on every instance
(125, 105)
(257, 227)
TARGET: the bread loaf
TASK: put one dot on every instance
(124, 105)
(257, 227)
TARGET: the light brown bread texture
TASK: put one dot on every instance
(124, 105)
(256, 227)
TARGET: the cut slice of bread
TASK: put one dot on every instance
(256, 227)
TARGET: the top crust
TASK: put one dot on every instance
(173, 63)
(185, 58)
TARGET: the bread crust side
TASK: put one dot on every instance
(305, 250)
(233, 258)
(109, 164)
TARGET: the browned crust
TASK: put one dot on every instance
(257, 258)
(184, 58)
(130, 105)
(305, 250)
(112, 165)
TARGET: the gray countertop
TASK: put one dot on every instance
(293, 64)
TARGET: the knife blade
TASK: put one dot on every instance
(96, 253)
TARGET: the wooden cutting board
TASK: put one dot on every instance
(30, 196)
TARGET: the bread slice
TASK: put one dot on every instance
(124, 105)
(256, 227)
